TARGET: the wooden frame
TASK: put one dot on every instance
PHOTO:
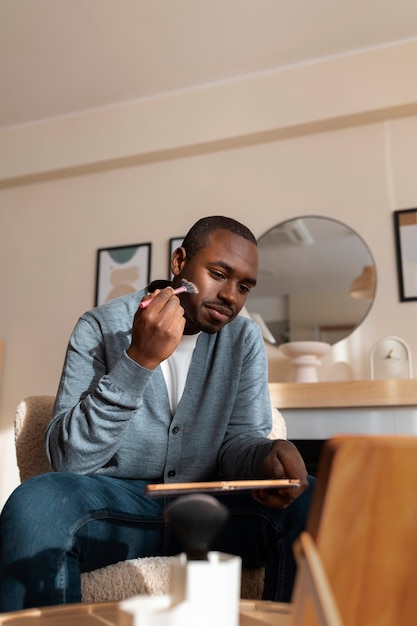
(405, 229)
(121, 270)
(334, 332)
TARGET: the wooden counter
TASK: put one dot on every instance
(352, 393)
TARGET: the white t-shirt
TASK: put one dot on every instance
(175, 369)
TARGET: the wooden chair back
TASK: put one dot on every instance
(361, 562)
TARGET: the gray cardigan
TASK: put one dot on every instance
(113, 417)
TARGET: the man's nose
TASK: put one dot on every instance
(228, 292)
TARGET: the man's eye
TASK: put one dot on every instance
(244, 289)
(217, 274)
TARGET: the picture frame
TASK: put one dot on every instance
(405, 230)
(121, 270)
(174, 242)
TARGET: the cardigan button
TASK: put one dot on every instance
(176, 430)
(171, 473)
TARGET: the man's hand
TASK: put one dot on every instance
(283, 461)
(157, 329)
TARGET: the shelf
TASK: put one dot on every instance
(352, 393)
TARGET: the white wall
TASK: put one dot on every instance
(337, 138)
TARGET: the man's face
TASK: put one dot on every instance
(224, 271)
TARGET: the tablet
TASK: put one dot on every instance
(223, 486)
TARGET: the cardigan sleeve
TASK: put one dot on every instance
(98, 394)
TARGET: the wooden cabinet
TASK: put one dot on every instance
(352, 393)
(316, 411)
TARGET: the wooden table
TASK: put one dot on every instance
(65, 615)
(252, 613)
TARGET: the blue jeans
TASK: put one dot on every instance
(57, 525)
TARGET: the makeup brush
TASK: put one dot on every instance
(186, 287)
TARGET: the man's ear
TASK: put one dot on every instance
(178, 260)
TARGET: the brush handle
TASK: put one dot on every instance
(178, 290)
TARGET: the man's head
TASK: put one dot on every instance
(220, 256)
(197, 236)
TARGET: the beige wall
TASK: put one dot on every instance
(336, 138)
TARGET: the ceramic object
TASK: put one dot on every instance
(305, 358)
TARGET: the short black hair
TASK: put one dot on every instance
(198, 235)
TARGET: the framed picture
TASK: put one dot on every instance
(405, 228)
(122, 270)
(174, 242)
(333, 333)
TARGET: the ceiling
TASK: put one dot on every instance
(58, 57)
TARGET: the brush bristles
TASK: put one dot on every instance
(189, 286)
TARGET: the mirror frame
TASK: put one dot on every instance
(329, 333)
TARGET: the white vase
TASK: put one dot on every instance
(305, 358)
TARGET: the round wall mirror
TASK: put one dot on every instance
(316, 281)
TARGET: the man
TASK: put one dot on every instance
(176, 391)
